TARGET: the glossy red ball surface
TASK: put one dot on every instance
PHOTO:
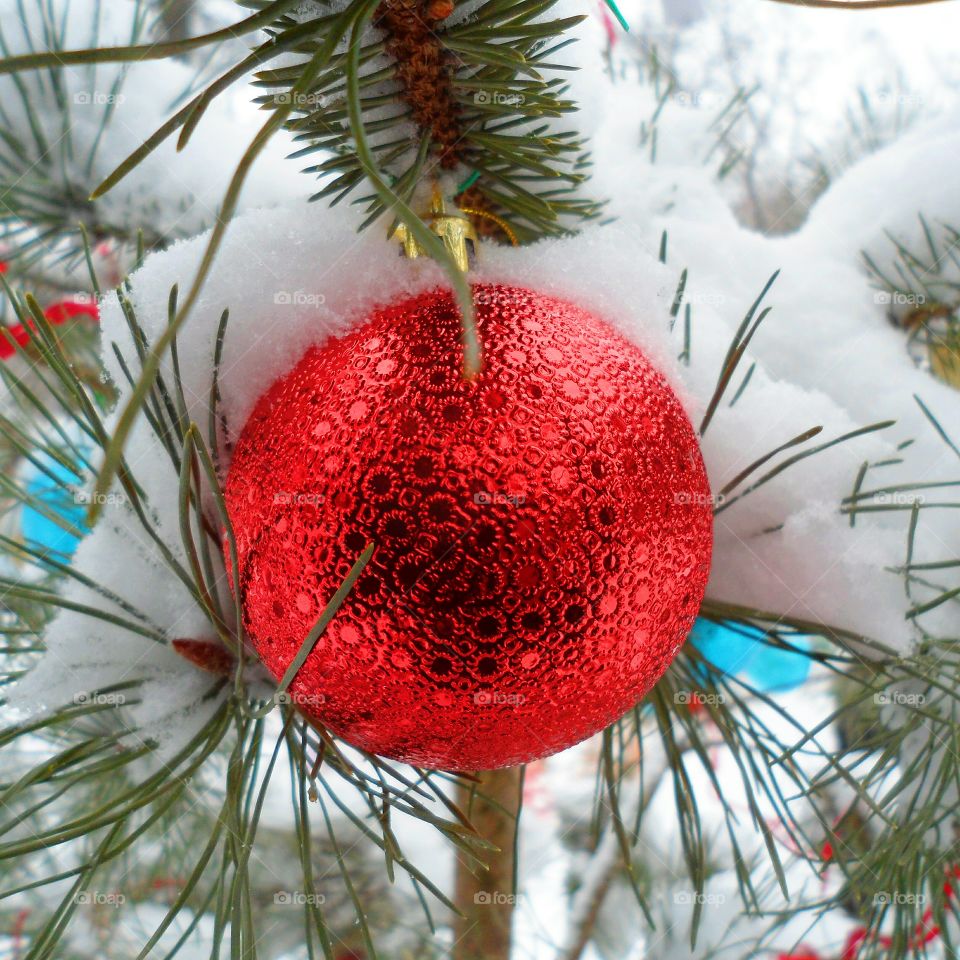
(542, 534)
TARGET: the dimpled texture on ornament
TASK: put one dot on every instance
(542, 534)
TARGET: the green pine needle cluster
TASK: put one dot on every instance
(507, 82)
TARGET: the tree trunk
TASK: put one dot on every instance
(484, 890)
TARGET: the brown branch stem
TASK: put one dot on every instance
(484, 892)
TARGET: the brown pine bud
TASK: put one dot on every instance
(208, 655)
(439, 9)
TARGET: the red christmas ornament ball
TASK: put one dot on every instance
(542, 533)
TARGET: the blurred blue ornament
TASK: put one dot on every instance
(737, 649)
(55, 488)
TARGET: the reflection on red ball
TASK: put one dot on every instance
(542, 534)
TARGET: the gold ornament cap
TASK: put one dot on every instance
(451, 225)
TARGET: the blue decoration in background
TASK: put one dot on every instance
(736, 649)
(41, 532)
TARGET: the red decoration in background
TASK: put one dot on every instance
(925, 932)
(57, 314)
(64, 310)
(609, 27)
(542, 535)
(20, 920)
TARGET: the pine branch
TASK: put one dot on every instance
(234, 733)
(53, 133)
(527, 175)
(478, 106)
(475, 91)
(921, 289)
(343, 100)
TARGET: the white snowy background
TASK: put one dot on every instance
(851, 132)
